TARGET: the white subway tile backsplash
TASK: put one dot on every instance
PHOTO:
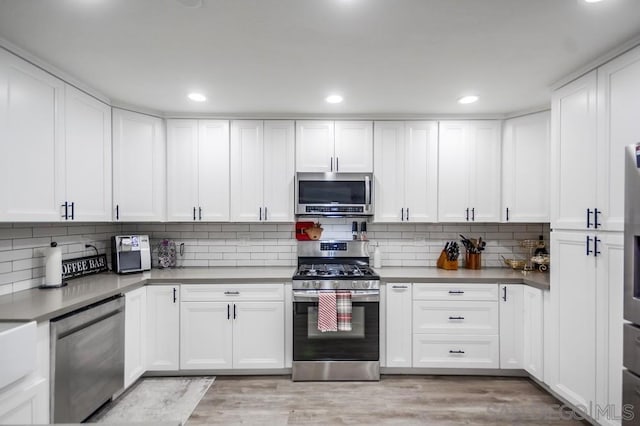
(22, 245)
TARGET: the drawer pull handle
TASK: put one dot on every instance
(456, 352)
(456, 318)
(232, 293)
(399, 286)
(456, 292)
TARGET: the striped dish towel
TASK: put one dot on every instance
(327, 320)
(343, 308)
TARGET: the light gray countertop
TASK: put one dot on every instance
(488, 275)
(43, 305)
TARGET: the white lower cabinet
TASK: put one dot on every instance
(26, 401)
(206, 336)
(455, 326)
(533, 331)
(232, 326)
(511, 325)
(135, 335)
(398, 326)
(163, 327)
(448, 351)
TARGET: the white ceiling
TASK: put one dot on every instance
(270, 57)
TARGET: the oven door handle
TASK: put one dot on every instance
(356, 296)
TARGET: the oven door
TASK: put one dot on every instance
(362, 343)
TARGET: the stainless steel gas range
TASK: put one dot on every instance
(353, 354)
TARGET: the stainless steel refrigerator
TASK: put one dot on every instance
(631, 376)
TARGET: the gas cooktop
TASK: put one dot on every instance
(335, 271)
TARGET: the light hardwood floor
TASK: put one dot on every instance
(433, 400)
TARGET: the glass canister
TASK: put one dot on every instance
(167, 254)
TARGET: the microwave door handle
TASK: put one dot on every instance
(367, 190)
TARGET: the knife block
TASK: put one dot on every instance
(444, 262)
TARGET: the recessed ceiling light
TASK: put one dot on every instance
(197, 97)
(334, 99)
(468, 99)
(593, 1)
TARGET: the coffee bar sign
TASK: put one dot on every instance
(73, 268)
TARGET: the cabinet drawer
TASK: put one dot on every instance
(438, 291)
(231, 292)
(436, 351)
(474, 317)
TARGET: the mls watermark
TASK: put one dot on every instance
(562, 412)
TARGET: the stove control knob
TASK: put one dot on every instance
(335, 284)
(354, 284)
(316, 284)
(366, 284)
(305, 284)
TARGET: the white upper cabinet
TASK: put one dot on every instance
(88, 157)
(469, 171)
(182, 169)
(618, 126)
(574, 154)
(213, 170)
(354, 146)
(262, 170)
(279, 170)
(138, 167)
(406, 171)
(325, 146)
(197, 170)
(31, 141)
(525, 168)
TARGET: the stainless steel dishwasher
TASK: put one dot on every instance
(87, 359)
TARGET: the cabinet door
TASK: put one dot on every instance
(453, 172)
(610, 289)
(532, 334)
(388, 176)
(573, 298)
(27, 406)
(279, 170)
(484, 167)
(139, 167)
(354, 146)
(511, 322)
(618, 126)
(213, 170)
(399, 324)
(314, 146)
(31, 140)
(525, 168)
(421, 171)
(182, 170)
(135, 343)
(246, 170)
(205, 335)
(574, 153)
(258, 335)
(163, 327)
(88, 156)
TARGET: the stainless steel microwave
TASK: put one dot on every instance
(334, 194)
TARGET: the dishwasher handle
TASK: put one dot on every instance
(82, 318)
